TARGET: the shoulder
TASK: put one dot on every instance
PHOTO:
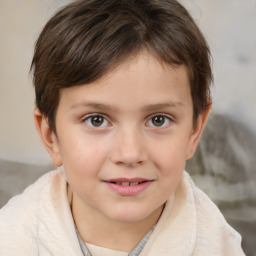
(29, 198)
(212, 229)
(19, 217)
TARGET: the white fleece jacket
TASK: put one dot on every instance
(39, 223)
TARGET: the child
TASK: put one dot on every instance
(122, 95)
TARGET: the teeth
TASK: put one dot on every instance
(125, 183)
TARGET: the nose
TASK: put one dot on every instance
(129, 149)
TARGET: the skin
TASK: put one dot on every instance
(127, 143)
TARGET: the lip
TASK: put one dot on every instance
(128, 190)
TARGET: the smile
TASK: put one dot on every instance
(128, 187)
(127, 183)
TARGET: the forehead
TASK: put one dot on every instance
(141, 80)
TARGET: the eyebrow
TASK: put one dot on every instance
(94, 105)
(160, 106)
(107, 107)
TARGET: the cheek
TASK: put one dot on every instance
(82, 164)
(170, 154)
(83, 157)
(171, 161)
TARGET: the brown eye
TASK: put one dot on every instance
(96, 121)
(158, 121)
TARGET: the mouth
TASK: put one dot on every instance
(128, 182)
(128, 187)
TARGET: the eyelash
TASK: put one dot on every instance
(96, 115)
(88, 120)
(164, 116)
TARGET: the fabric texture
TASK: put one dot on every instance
(99, 251)
(39, 222)
(135, 252)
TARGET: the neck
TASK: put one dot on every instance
(99, 230)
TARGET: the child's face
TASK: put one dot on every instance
(132, 125)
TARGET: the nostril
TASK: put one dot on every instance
(120, 163)
(128, 156)
(131, 164)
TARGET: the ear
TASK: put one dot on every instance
(48, 137)
(197, 131)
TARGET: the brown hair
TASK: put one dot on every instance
(87, 38)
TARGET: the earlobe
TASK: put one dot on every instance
(197, 131)
(48, 137)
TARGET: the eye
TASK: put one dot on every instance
(158, 121)
(96, 121)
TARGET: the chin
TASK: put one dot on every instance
(129, 215)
